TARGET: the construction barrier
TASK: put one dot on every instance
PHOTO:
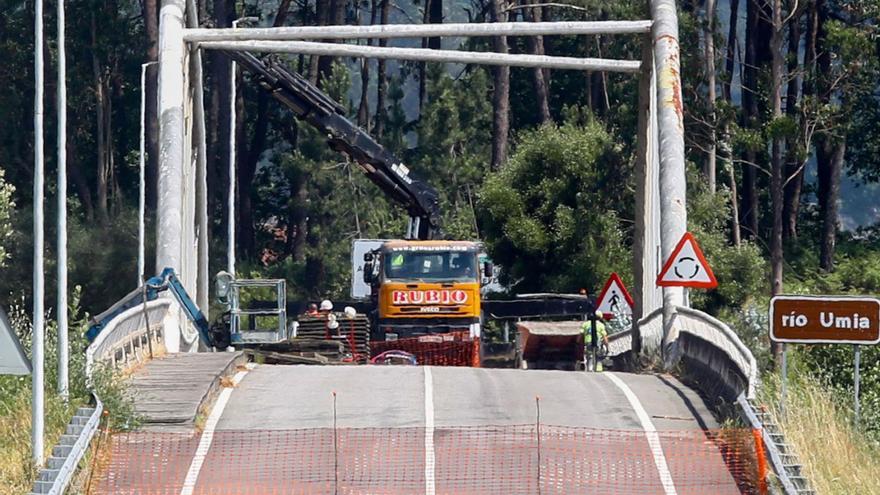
(502, 460)
(447, 349)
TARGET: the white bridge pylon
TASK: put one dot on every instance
(661, 216)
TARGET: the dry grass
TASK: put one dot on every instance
(838, 459)
(16, 471)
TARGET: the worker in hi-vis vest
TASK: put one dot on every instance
(602, 342)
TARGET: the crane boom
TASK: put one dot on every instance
(310, 104)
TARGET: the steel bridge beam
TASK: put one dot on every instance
(417, 31)
(424, 54)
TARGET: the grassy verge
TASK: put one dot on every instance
(837, 457)
(16, 469)
(17, 472)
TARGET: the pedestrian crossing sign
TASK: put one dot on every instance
(614, 299)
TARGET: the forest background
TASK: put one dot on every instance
(782, 136)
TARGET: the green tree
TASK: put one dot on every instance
(550, 216)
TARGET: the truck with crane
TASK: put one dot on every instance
(420, 284)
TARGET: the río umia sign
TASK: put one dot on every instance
(825, 320)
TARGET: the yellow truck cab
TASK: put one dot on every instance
(425, 287)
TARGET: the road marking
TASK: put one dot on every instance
(650, 434)
(430, 483)
(192, 476)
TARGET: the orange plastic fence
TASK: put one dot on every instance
(448, 349)
(497, 460)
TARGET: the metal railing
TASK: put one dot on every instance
(131, 337)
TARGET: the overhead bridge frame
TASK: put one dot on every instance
(661, 217)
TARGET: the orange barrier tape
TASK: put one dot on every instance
(497, 460)
(448, 349)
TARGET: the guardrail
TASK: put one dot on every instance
(708, 346)
(131, 337)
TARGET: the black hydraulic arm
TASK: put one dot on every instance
(380, 166)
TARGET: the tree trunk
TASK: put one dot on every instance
(709, 43)
(103, 153)
(382, 77)
(246, 167)
(433, 14)
(218, 117)
(730, 59)
(335, 15)
(151, 26)
(540, 76)
(363, 114)
(74, 170)
(777, 159)
(830, 149)
(757, 45)
(726, 148)
(829, 183)
(322, 8)
(500, 94)
(727, 153)
(793, 178)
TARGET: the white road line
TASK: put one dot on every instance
(192, 476)
(650, 434)
(430, 483)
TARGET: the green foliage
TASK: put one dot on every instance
(7, 208)
(454, 138)
(102, 258)
(550, 216)
(741, 271)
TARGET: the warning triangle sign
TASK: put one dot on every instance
(614, 299)
(687, 267)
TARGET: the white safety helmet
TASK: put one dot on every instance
(326, 305)
(350, 312)
(332, 324)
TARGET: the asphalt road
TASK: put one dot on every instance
(288, 397)
(415, 430)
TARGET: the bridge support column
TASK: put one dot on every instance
(672, 180)
(175, 241)
(169, 225)
(646, 247)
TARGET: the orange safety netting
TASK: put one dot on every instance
(448, 349)
(498, 460)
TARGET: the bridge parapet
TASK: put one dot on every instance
(711, 351)
(133, 336)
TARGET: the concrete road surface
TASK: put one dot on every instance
(420, 430)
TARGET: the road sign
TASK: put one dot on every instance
(825, 320)
(614, 299)
(13, 360)
(687, 267)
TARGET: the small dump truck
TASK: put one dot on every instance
(550, 345)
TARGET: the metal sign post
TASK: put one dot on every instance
(856, 376)
(784, 377)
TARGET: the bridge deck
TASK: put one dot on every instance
(169, 391)
(405, 430)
